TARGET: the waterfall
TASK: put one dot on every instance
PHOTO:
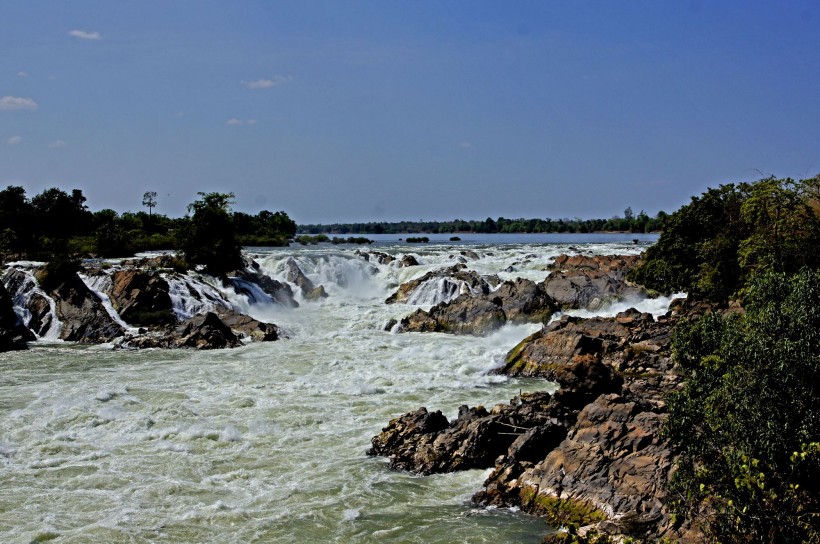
(24, 290)
(100, 285)
(191, 296)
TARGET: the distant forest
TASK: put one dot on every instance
(628, 223)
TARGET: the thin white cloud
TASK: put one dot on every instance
(22, 74)
(14, 140)
(465, 145)
(11, 103)
(267, 83)
(85, 35)
(233, 122)
(57, 143)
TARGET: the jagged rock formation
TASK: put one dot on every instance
(513, 301)
(599, 459)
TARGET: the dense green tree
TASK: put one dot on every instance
(747, 422)
(16, 221)
(60, 215)
(208, 238)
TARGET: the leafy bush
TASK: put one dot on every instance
(747, 421)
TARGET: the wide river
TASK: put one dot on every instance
(266, 443)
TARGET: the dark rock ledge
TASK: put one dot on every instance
(588, 455)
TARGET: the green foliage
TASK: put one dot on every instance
(747, 421)
(208, 238)
(715, 245)
(417, 240)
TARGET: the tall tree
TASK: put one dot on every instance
(149, 200)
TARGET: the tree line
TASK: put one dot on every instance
(630, 222)
(59, 224)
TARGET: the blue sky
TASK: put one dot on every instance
(360, 111)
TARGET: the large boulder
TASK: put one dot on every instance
(514, 302)
(205, 331)
(588, 282)
(141, 297)
(247, 326)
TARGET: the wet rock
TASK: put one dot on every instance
(470, 254)
(297, 277)
(205, 331)
(514, 301)
(375, 256)
(279, 292)
(81, 312)
(589, 454)
(13, 333)
(316, 293)
(581, 281)
(408, 260)
(428, 443)
(249, 327)
(464, 315)
(141, 297)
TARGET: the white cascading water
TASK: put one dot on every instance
(263, 443)
(100, 284)
(21, 298)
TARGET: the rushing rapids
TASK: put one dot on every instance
(265, 442)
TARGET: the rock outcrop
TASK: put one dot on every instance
(588, 282)
(591, 453)
(427, 443)
(513, 301)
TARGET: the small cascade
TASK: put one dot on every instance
(191, 297)
(436, 290)
(28, 299)
(100, 285)
(253, 293)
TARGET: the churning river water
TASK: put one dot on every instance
(266, 443)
